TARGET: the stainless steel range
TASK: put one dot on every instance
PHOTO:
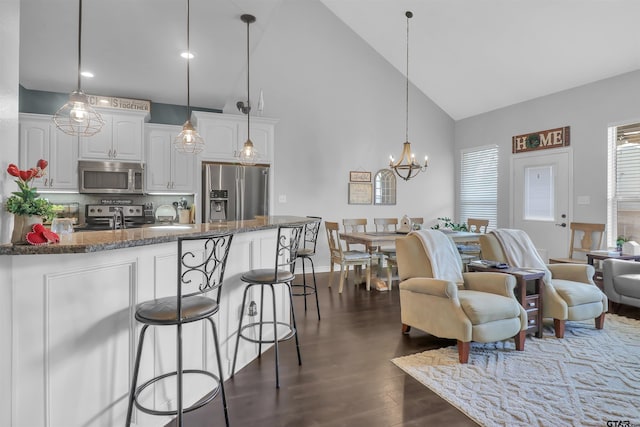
(103, 216)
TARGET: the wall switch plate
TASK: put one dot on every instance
(282, 198)
(584, 200)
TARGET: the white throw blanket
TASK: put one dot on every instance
(443, 255)
(520, 251)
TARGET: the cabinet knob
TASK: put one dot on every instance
(51, 182)
(46, 181)
(109, 154)
(115, 154)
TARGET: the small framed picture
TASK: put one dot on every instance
(358, 176)
(360, 193)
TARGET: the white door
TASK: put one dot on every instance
(541, 195)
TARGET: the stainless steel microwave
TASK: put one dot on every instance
(111, 177)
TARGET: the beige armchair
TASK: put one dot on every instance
(484, 309)
(570, 294)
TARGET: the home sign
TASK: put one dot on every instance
(552, 138)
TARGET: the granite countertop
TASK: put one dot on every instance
(95, 241)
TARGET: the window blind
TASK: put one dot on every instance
(478, 185)
(628, 171)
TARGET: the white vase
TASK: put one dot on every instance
(23, 224)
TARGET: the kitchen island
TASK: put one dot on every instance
(70, 310)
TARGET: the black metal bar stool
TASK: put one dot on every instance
(286, 250)
(306, 252)
(201, 265)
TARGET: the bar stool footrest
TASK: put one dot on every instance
(266, 325)
(308, 290)
(199, 404)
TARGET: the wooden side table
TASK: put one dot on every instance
(531, 302)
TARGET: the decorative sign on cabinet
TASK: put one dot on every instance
(40, 139)
(121, 137)
(225, 134)
(167, 170)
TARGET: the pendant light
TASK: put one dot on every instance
(77, 117)
(248, 155)
(188, 141)
(407, 167)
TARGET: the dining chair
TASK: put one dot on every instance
(345, 258)
(388, 253)
(354, 225)
(477, 225)
(591, 233)
(471, 250)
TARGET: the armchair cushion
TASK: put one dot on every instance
(576, 293)
(482, 307)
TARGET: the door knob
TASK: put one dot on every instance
(564, 224)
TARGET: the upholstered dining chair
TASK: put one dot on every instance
(589, 238)
(569, 290)
(436, 297)
(345, 258)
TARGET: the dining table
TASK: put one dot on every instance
(372, 240)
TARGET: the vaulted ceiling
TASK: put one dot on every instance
(468, 56)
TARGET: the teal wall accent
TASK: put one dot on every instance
(42, 102)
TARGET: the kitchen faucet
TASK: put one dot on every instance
(118, 219)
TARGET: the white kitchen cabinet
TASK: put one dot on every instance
(120, 139)
(225, 134)
(167, 170)
(41, 139)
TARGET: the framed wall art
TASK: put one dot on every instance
(360, 193)
(359, 176)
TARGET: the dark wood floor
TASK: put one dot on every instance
(346, 377)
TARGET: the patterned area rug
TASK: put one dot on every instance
(589, 378)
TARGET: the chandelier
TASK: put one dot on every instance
(248, 155)
(188, 141)
(77, 117)
(406, 167)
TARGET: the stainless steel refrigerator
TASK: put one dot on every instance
(232, 192)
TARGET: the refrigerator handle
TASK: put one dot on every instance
(265, 200)
(240, 193)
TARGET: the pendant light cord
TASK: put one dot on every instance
(248, 92)
(408, 15)
(79, 42)
(188, 61)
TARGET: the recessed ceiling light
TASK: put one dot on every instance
(87, 74)
(187, 55)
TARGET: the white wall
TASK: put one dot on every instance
(342, 108)
(9, 45)
(589, 110)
